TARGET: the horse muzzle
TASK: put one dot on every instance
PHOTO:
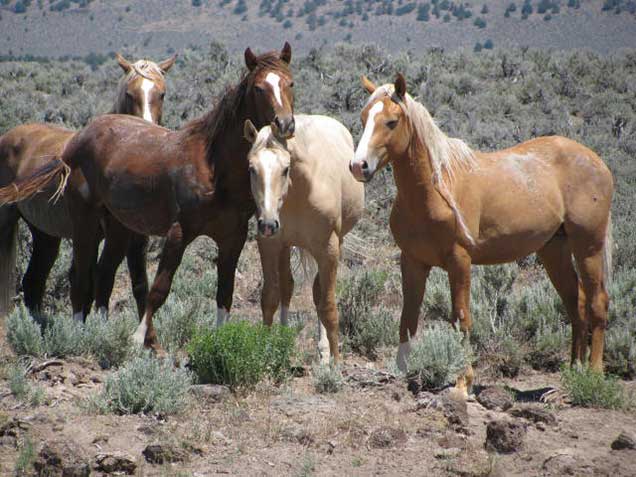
(360, 170)
(268, 228)
(286, 126)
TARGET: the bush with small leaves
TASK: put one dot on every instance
(24, 334)
(63, 336)
(550, 347)
(327, 378)
(438, 357)
(242, 354)
(144, 385)
(109, 340)
(22, 388)
(588, 388)
(620, 350)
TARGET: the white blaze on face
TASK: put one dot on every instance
(362, 151)
(146, 87)
(269, 164)
(274, 81)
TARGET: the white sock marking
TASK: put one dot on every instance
(102, 311)
(146, 87)
(362, 151)
(222, 316)
(274, 80)
(323, 344)
(403, 356)
(140, 334)
(283, 315)
(79, 316)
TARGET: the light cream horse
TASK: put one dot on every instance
(456, 207)
(305, 197)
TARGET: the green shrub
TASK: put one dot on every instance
(366, 326)
(620, 351)
(588, 388)
(242, 354)
(21, 387)
(327, 378)
(144, 385)
(24, 334)
(63, 336)
(109, 340)
(438, 357)
(550, 346)
(178, 320)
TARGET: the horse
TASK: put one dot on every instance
(25, 148)
(177, 184)
(305, 197)
(456, 207)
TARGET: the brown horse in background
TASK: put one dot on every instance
(456, 207)
(25, 149)
(181, 184)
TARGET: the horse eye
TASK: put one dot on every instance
(259, 89)
(291, 85)
(252, 170)
(163, 95)
(391, 124)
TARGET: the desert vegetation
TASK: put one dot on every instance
(492, 99)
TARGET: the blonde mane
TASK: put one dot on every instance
(141, 68)
(446, 154)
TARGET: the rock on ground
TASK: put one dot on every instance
(61, 459)
(164, 454)
(624, 441)
(115, 463)
(495, 398)
(505, 436)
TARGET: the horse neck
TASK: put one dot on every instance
(413, 174)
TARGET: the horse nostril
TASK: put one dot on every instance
(292, 126)
(350, 167)
(276, 225)
(365, 165)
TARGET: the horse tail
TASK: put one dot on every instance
(27, 187)
(607, 253)
(8, 256)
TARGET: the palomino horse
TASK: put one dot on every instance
(26, 148)
(305, 197)
(456, 207)
(178, 184)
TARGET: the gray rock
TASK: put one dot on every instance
(61, 459)
(211, 392)
(536, 414)
(495, 398)
(386, 438)
(505, 436)
(624, 441)
(455, 410)
(115, 462)
(164, 454)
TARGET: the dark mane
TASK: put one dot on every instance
(224, 115)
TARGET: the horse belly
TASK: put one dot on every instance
(51, 218)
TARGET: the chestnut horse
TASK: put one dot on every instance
(26, 148)
(305, 197)
(178, 184)
(456, 207)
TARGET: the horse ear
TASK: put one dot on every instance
(368, 85)
(285, 53)
(275, 129)
(400, 86)
(165, 65)
(123, 62)
(249, 131)
(250, 59)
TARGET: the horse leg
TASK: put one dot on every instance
(414, 276)
(590, 267)
(229, 252)
(323, 342)
(458, 268)
(270, 251)
(8, 253)
(45, 251)
(171, 256)
(86, 238)
(136, 258)
(116, 240)
(286, 281)
(327, 310)
(556, 258)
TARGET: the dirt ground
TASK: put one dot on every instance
(374, 426)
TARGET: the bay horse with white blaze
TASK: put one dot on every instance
(179, 184)
(305, 197)
(456, 207)
(25, 149)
